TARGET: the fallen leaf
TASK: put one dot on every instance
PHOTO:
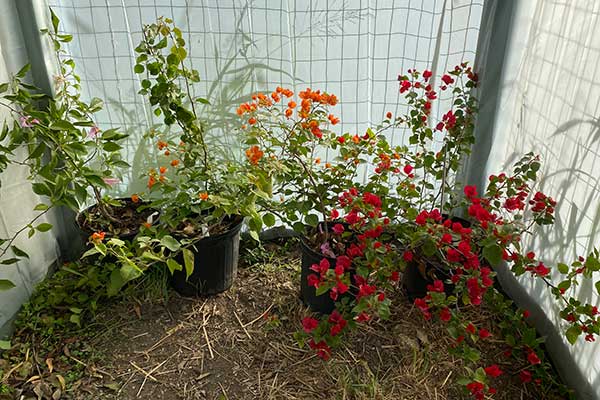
(49, 363)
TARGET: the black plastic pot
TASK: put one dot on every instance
(323, 303)
(215, 264)
(85, 233)
(415, 282)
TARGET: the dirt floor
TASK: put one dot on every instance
(240, 345)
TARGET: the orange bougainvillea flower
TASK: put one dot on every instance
(135, 198)
(151, 181)
(327, 165)
(252, 121)
(388, 115)
(161, 145)
(289, 112)
(147, 225)
(203, 196)
(254, 154)
(275, 97)
(162, 178)
(333, 119)
(355, 139)
(292, 104)
(174, 163)
(162, 170)
(317, 160)
(97, 237)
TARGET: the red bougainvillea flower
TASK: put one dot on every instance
(395, 276)
(427, 74)
(445, 314)
(407, 256)
(471, 329)
(525, 376)
(541, 270)
(338, 229)
(422, 305)
(405, 85)
(313, 280)
(533, 358)
(437, 286)
(476, 389)
(484, 333)
(309, 324)
(470, 191)
(447, 79)
(388, 115)
(493, 370)
(323, 350)
(407, 169)
(322, 267)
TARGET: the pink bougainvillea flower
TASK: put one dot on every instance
(111, 181)
(27, 122)
(93, 133)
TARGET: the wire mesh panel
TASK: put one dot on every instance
(352, 48)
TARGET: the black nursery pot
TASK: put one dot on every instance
(215, 264)
(416, 284)
(323, 303)
(128, 234)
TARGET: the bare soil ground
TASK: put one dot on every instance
(240, 345)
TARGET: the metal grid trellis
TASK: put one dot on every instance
(353, 48)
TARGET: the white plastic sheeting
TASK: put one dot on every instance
(352, 48)
(16, 198)
(549, 103)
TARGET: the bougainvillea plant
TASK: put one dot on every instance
(69, 159)
(199, 193)
(361, 276)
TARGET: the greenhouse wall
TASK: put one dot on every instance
(16, 198)
(548, 102)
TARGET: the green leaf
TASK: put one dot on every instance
(23, 71)
(90, 252)
(138, 69)
(173, 266)
(573, 333)
(188, 260)
(5, 284)
(3, 87)
(41, 207)
(563, 268)
(202, 100)
(18, 252)
(598, 287)
(55, 20)
(493, 253)
(269, 219)
(5, 345)
(170, 243)
(111, 146)
(9, 261)
(44, 227)
(75, 319)
(312, 219)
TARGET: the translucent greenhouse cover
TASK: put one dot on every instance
(353, 48)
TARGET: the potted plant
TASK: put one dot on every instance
(70, 160)
(203, 197)
(292, 135)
